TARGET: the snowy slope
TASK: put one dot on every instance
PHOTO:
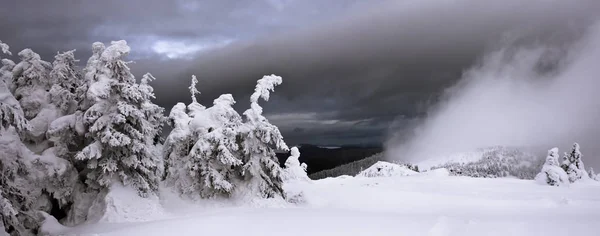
(422, 204)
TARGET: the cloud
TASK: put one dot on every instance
(538, 95)
(343, 60)
(179, 49)
(385, 61)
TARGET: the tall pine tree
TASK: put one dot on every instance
(122, 125)
(260, 171)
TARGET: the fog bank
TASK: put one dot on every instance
(537, 95)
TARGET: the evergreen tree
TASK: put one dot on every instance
(65, 80)
(215, 155)
(194, 107)
(122, 124)
(573, 164)
(31, 81)
(91, 74)
(551, 173)
(260, 139)
(29, 182)
(11, 113)
(202, 152)
(6, 71)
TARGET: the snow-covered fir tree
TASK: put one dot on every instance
(215, 155)
(260, 139)
(11, 113)
(177, 146)
(31, 81)
(293, 169)
(30, 182)
(6, 74)
(65, 80)
(91, 74)
(194, 107)
(122, 125)
(551, 173)
(573, 164)
(202, 152)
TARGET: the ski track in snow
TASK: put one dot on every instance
(431, 205)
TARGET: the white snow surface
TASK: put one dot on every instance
(422, 204)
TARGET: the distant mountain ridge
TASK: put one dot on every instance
(320, 158)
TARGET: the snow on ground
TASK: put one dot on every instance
(423, 204)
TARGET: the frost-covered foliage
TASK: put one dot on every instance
(202, 152)
(551, 173)
(177, 146)
(6, 74)
(498, 162)
(11, 113)
(215, 155)
(573, 165)
(31, 81)
(4, 48)
(212, 152)
(194, 107)
(260, 140)
(30, 183)
(293, 169)
(65, 80)
(122, 125)
(91, 74)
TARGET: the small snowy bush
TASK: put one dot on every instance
(293, 169)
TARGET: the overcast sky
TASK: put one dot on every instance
(351, 68)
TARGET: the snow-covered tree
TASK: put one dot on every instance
(4, 48)
(65, 80)
(11, 113)
(202, 152)
(6, 71)
(31, 81)
(194, 107)
(122, 125)
(215, 155)
(293, 169)
(91, 74)
(260, 139)
(593, 175)
(551, 173)
(573, 164)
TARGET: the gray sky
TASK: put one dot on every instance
(351, 68)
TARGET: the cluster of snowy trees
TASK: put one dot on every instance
(570, 170)
(67, 135)
(497, 162)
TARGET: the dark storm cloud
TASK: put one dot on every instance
(350, 68)
(386, 61)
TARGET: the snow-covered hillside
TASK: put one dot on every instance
(422, 204)
(489, 162)
(386, 169)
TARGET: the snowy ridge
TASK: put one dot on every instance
(386, 169)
